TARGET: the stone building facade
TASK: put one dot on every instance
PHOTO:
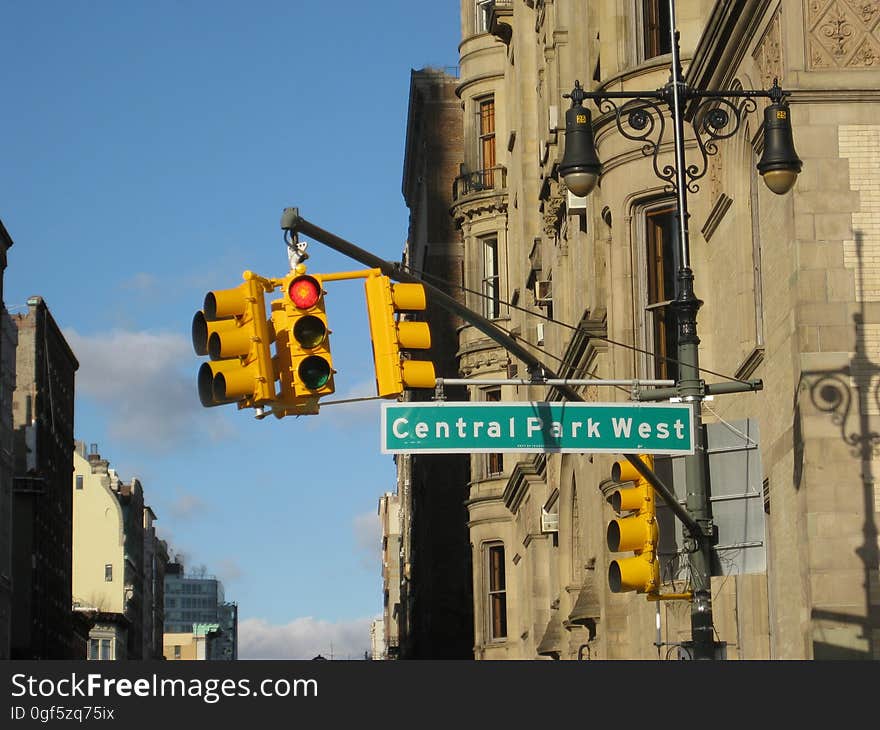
(789, 284)
(8, 341)
(119, 561)
(433, 613)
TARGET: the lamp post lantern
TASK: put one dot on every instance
(640, 116)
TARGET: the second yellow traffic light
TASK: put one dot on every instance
(303, 357)
(391, 336)
(636, 532)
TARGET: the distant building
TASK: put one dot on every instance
(193, 600)
(43, 624)
(378, 649)
(389, 519)
(155, 560)
(8, 341)
(196, 645)
(117, 559)
(435, 616)
(227, 639)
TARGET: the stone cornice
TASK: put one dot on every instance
(471, 209)
(523, 476)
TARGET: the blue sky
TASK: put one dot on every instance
(148, 150)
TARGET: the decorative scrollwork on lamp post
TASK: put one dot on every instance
(640, 117)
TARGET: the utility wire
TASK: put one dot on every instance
(575, 328)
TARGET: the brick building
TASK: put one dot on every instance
(43, 623)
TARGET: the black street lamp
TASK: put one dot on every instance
(713, 117)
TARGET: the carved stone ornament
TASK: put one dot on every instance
(843, 34)
(768, 53)
(479, 209)
(553, 208)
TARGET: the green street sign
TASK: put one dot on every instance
(445, 427)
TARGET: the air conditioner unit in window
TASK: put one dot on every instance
(549, 521)
(539, 334)
(543, 291)
(575, 202)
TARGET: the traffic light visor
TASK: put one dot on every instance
(202, 330)
(623, 471)
(630, 498)
(632, 574)
(414, 335)
(408, 297)
(631, 533)
(223, 303)
(418, 373)
(210, 393)
(230, 342)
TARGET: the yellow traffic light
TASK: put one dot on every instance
(233, 331)
(637, 532)
(303, 359)
(391, 335)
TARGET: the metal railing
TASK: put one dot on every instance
(478, 181)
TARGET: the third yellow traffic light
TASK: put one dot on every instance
(392, 336)
(636, 532)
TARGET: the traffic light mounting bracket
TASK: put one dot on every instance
(292, 223)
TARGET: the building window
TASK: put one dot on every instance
(177, 651)
(108, 573)
(106, 652)
(93, 649)
(489, 286)
(482, 10)
(655, 21)
(494, 462)
(487, 141)
(497, 595)
(79, 481)
(662, 258)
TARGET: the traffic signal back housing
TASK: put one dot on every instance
(634, 531)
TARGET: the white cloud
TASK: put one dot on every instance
(187, 506)
(229, 570)
(303, 638)
(346, 416)
(136, 377)
(141, 281)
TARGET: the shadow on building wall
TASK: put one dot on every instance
(850, 396)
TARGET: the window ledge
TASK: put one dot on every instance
(751, 363)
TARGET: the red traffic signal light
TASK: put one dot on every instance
(306, 335)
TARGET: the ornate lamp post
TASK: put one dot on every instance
(715, 117)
